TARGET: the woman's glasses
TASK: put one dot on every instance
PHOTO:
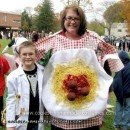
(75, 19)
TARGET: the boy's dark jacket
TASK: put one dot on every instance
(121, 81)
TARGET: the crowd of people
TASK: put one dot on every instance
(27, 102)
(121, 43)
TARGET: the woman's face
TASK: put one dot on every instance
(72, 22)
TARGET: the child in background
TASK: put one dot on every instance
(121, 85)
(4, 70)
(24, 107)
(13, 60)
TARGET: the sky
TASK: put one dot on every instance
(12, 5)
(18, 5)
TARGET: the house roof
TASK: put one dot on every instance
(6, 12)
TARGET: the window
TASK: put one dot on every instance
(119, 30)
(16, 21)
(5, 18)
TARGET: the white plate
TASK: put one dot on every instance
(60, 109)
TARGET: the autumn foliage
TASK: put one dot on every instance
(126, 12)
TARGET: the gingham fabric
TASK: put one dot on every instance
(89, 40)
(77, 124)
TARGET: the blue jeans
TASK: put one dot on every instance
(122, 115)
(118, 115)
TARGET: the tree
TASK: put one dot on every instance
(97, 27)
(78, 2)
(29, 10)
(126, 12)
(45, 17)
(25, 21)
(113, 14)
(85, 4)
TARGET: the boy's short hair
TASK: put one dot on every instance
(26, 44)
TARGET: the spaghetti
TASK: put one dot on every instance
(75, 68)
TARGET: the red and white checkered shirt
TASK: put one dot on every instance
(92, 41)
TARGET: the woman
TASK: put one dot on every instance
(74, 35)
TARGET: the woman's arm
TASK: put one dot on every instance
(109, 53)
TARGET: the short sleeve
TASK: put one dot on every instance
(6, 66)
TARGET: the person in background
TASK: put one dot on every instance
(13, 60)
(120, 44)
(13, 41)
(0, 35)
(74, 35)
(121, 85)
(124, 43)
(128, 45)
(24, 106)
(50, 33)
(4, 70)
(35, 36)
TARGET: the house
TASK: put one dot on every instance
(9, 22)
(118, 30)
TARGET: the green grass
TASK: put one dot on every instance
(4, 42)
(108, 119)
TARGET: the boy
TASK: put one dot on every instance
(24, 107)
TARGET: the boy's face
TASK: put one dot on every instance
(27, 56)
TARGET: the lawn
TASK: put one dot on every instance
(108, 119)
(4, 42)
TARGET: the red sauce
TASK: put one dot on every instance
(76, 86)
